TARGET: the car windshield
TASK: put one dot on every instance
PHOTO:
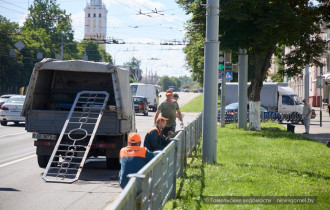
(136, 100)
(232, 106)
(3, 100)
(134, 89)
(263, 109)
(14, 100)
(297, 99)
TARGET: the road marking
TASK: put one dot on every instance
(12, 134)
(16, 161)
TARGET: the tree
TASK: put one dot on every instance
(46, 14)
(260, 26)
(9, 67)
(134, 69)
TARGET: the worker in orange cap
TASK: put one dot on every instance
(169, 109)
(132, 158)
(154, 139)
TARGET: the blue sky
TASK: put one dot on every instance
(144, 33)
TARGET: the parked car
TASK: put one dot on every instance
(232, 113)
(141, 105)
(186, 90)
(4, 98)
(195, 91)
(10, 111)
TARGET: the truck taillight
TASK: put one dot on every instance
(4, 108)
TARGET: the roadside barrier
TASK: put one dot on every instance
(155, 183)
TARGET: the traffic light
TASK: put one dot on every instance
(229, 67)
(221, 62)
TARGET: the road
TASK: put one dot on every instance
(22, 186)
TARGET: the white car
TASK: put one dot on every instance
(4, 98)
(10, 111)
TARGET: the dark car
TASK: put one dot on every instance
(141, 105)
(232, 113)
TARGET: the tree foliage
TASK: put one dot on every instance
(166, 81)
(259, 27)
(46, 14)
(134, 69)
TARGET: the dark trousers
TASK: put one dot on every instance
(167, 129)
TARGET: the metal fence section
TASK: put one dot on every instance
(155, 183)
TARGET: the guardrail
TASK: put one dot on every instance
(155, 183)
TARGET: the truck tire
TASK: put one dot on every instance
(113, 163)
(3, 123)
(43, 160)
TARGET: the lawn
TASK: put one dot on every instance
(272, 162)
(195, 105)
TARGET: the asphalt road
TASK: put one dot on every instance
(22, 186)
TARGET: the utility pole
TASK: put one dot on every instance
(306, 94)
(321, 86)
(223, 91)
(211, 52)
(242, 88)
(62, 47)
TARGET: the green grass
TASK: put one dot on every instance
(195, 105)
(271, 162)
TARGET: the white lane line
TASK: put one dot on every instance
(16, 161)
(12, 134)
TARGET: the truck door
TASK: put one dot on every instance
(286, 104)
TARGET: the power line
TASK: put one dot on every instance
(14, 5)
(13, 10)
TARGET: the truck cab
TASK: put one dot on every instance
(290, 105)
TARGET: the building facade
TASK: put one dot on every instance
(317, 97)
(96, 21)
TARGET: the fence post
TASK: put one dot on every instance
(176, 151)
(138, 198)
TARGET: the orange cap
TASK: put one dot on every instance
(134, 138)
(161, 118)
(169, 92)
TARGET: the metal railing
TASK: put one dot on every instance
(155, 183)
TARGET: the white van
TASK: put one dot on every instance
(150, 91)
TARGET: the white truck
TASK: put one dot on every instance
(275, 97)
(51, 94)
(151, 92)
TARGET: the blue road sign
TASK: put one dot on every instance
(229, 75)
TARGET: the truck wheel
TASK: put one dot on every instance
(4, 123)
(43, 160)
(113, 163)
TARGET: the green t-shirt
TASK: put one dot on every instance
(169, 111)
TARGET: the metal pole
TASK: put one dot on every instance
(306, 95)
(242, 88)
(62, 48)
(223, 98)
(321, 72)
(211, 59)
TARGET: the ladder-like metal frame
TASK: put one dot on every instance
(68, 158)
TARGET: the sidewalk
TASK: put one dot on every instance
(316, 133)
